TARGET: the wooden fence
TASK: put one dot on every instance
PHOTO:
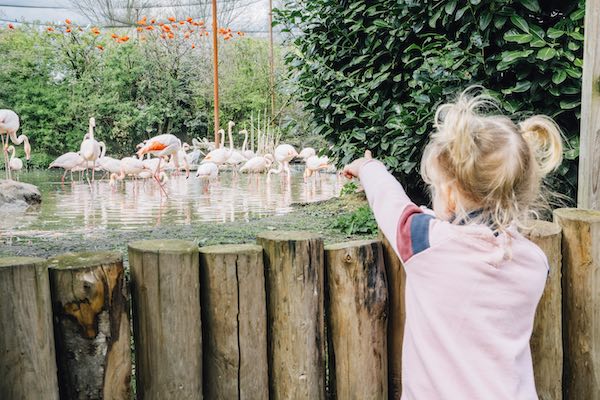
(284, 318)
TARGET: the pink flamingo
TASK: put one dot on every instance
(9, 125)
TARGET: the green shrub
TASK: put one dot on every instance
(361, 221)
(371, 74)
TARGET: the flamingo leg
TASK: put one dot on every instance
(93, 169)
(5, 155)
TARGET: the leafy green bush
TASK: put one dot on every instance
(348, 188)
(361, 221)
(371, 74)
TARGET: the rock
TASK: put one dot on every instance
(18, 195)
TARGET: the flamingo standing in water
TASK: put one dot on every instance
(315, 164)
(307, 152)
(9, 125)
(68, 161)
(257, 164)
(207, 170)
(164, 145)
(284, 153)
(90, 148)
(221, 155)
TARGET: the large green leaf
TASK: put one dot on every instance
(520, 23)
(545, 54)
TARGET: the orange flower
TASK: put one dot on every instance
(149, 28)
(189, 19)
(68, 21)
(181, 22)
(240, 33)
(100, 47)
(200, 23)
(142, 21)
(50, 29)
(171, 35)
(68, 30)
(206, 33)
(175, 26)
(114, 36)
(152, 21)
(161, 24)
(95, 31)
(166, 28)
(193, 46)
(139, 29)
(186, 35)
(172, 19)
(11, 26)
(124, 38)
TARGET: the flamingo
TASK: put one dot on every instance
(9, 125)
(163, 145)
(109, 164)
(307, 152)
(69, 162)
(222, 154)
(90, 148)
(15, 164)
(207, 170)
(314, 164)
(284, 153)
(257, 164)
(246, 153)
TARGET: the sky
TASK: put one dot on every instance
(255, 17)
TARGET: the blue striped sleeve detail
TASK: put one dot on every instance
(419, 232)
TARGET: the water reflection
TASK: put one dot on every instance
(80, 207)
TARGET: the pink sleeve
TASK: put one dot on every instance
(392, 208)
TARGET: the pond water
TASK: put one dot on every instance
(80, 207)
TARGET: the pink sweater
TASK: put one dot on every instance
(469, 306)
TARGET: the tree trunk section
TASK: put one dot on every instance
(91, 324)
(357, 316)
(581, 302)
(165, 289)
(546, 340)
(234, 322)
(27, 357)
(396, 278)
(296, 342)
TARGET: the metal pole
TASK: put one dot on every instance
(271, 61)
(216, 71)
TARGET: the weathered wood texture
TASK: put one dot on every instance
(27, 357)
(396, 279)
(234, 322)
(581, 302)
(588, 194)
(546, 340)
(165, 290)
(357, 319)
(91, 325)
(296, 343)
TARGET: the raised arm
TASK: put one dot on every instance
(404, 224)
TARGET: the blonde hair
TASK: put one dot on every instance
(493, 163)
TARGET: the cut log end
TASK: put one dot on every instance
(578, 214)
(85, 259)
(10, 262)
(285, 236)
(231, 249)
(164, 246)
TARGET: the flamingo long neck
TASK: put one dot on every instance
(91, 131)
(230, 137)
(252, 141)
(277, 170)
(103, 147)
(245, 141)
(12, 148)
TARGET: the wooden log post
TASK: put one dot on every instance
(546, 340)
(296, 329)
(234, 322)
(357, 319)
(91, 325)
(581, 301)
(27, 355)
(165, 291)
(588, 187)
(396, 278)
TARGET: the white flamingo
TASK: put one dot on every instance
(9, 125)
(90, 149)
(221, 155)
(15, 164)
(207, 170)
(69, 162)
(257, 164)
(314, 164)
(284, 153)
(307, 152)
(246, 153)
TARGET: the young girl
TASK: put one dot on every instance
(472, 280)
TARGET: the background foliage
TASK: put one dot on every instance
(371, 74)
(135, 90)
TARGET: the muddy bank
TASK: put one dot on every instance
(315, 217)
